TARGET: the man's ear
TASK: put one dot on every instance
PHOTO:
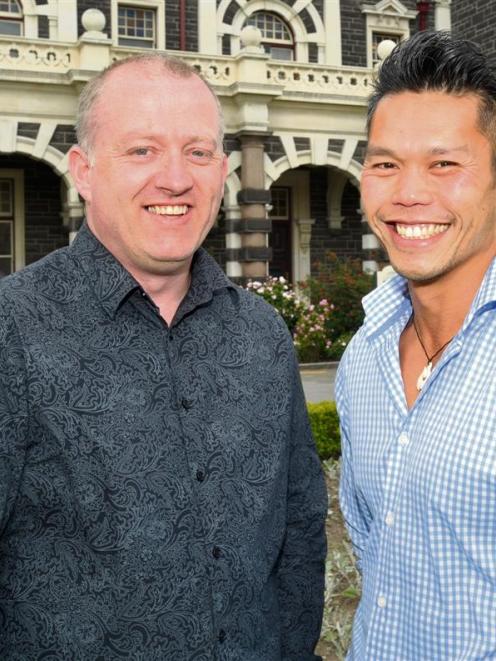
(79, 167)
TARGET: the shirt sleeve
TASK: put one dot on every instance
(301, 571)
(355, 521)
(13, 415)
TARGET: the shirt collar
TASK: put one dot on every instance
(389, 302)
(113, 284)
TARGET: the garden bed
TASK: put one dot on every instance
(342, 578)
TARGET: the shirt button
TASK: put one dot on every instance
(200, 475)
(216, 552)
(389, 520)
(222, 636)
(381, 601)
(403, 439)
(186, 403)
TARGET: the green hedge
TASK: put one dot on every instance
(325, 428)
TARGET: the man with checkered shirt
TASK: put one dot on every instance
(416, 388)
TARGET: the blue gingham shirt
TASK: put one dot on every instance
(418, 488)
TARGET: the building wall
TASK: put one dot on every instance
(476, 20)
(318, 108)
(346, 241)
(44, 230)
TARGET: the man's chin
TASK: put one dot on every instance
(419, 275)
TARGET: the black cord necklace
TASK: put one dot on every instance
(426, 372)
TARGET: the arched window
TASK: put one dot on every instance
(277, 38)
(10, 17)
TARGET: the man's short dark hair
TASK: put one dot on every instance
(435, 61)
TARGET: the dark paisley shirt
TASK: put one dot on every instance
(160, 494)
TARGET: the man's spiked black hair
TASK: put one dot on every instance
(435, 61)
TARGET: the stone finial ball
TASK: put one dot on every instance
(93, 20)
(384, 48)
(250, 36)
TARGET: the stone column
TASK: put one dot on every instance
(442, 14)
(369, 244)
(234, 269)
(302, 258)
(254, 225)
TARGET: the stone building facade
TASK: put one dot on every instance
(293, 77)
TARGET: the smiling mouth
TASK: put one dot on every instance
(168, 209)
(423, 231)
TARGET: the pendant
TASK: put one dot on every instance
(424, 375)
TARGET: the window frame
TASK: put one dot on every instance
(19, 254)
(158, 6)
(393, 36)
(16, 18)
(270, 43)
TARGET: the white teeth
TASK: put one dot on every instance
(420, 231)
(169, 209)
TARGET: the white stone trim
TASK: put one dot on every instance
(273, 170)
(45, 133)
(318, 147)
(289, 14)
(332, 31)
(290, 148)
(234, 161)
(389, 16)
(231, 190)
(336, 181)
(8, 135)
(207, 33)
(442, 14)
(349, 147)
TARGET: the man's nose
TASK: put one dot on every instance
(412, 187)
(173, 174)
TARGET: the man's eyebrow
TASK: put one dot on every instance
(436, 151)
(377, 150)
(203, 138)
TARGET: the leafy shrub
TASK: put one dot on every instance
(324, 422)
(343, 282)
(278, 293)
(310, 334)
(322, 328)
(307, 322)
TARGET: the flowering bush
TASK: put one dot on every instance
(310, 335)
(343, 282)
(278, 293)
(307, 323)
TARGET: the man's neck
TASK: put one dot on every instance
(441, 305)
(166, 291)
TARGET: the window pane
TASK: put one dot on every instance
(271, 26)
(136, 27)
(10, 6)
(279, 53)
(5, 266)
(10, 27)
(279, 203)
(377, 37)
(6, 238)
(6, 194)
(135, 43)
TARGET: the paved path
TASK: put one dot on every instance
(318, 381)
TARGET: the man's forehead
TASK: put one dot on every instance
(414, 110)
(149, 71)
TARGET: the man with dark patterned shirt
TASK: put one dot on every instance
(160, 493)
